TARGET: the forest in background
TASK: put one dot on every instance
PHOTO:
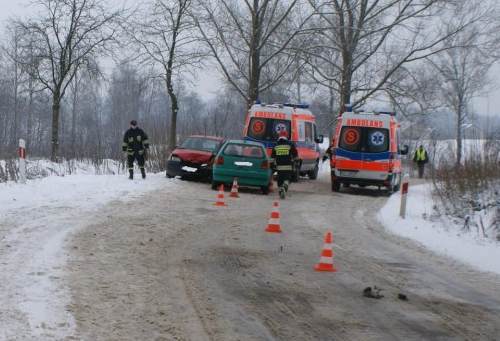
(73, 75)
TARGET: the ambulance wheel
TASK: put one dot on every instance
(265, 190)
(335, 186)
(313, 175)
(296, 173)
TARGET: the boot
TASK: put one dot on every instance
(143, 172)
(131, 174)
(282, 192)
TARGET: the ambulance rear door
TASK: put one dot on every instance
(306, 144)
(376, 151)
(349, 154)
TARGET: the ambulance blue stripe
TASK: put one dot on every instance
(359, 156)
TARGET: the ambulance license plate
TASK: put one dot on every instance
(348, 174)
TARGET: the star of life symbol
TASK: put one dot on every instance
(377, 138)
(280, 127)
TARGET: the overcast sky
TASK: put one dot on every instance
(207, 84)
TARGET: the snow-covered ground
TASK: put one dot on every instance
(438, 233)
(35, 221)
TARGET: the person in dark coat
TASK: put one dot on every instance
(420, 158)
(135, 144)
(284, 155)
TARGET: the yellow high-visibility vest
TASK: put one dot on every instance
(420, 154)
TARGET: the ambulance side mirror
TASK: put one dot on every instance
(404, 150)
(320, 139)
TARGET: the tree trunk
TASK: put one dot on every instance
(73, 118)
(345, 86)
(331, 107)
(254, 65)
(459, 133)
(172, 136)
(16, 103)
(29, 124)
(56, 106)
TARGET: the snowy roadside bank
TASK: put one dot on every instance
(439, 234)
(35, 221)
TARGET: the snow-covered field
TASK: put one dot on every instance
(40, 168)
(35, 221)
(438, 233)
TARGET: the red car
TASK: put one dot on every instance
(194, 157)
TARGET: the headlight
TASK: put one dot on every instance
(174, 158)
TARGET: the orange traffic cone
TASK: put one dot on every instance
(234, 189)
(220, 197)
(274, 225)
(326, 259)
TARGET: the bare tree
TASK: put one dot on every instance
(67, 34)
(249, 39)
(167, 39)
(364, 42)
(464, 73)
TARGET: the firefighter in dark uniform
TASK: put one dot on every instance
(135, 144)
(284, 155)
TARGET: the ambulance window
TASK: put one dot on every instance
(350, 138)
(302, 131)
(257, 128)
(267, 129)
(278, 126)
(377, 140)
(309, 132)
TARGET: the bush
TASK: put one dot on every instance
(471, 191)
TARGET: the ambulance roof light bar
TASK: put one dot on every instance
(297, 106)
(391, 113)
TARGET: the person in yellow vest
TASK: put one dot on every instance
(420, 158)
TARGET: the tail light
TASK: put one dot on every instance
(219, 161)
(265, 164)
(392, 157)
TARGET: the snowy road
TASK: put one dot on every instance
(36, 220)
(174, 267)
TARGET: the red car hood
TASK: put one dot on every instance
(193, 156)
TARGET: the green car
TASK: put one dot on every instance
(245, 160)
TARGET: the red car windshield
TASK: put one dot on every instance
(200, 143)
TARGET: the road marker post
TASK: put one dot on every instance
(404, 194)
(22, 160)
